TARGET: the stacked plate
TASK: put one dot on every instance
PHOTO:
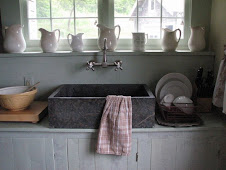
(176, 84)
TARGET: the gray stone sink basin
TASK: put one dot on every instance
(81, 105)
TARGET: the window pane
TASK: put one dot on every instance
(66, 26)
(173, 8)
(35, 24)
(125, 8)
(62, 8)
(38, 9)
(88, 27)
(151, 27)
(173, 24)
(128, 25)
(86, 8)
(150, 8)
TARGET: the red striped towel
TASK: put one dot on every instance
(116, 126)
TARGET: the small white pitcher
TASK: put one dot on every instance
(139, 41)
(76, 43)
(49, 43)
(169, 40)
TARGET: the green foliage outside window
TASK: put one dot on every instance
(123, 7)
(62, 14)
(83, 7)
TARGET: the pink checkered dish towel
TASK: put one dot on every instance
(116, 126)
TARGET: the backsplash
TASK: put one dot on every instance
(53, 70)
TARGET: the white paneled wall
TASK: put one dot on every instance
(26, 154)
(156, 151)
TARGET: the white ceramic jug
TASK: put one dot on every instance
(14, 40)
(76, 43)
(196, 41)
(49, 43)
(109, 34)
(169, 40)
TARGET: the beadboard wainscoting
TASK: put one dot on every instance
(36, 146)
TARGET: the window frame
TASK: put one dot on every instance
(105, 16)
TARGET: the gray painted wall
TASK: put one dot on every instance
(201, 16)
(218, 30)
(53, 70)
(10, 12)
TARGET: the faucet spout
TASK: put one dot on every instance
(105, 44)
(104, 63)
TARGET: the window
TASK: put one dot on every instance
(74, 16)
(70, 16)
(149, 16)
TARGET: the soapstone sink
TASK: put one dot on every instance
(81, 105)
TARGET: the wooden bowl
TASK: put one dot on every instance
(15, 99)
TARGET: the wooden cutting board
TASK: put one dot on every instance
(35, 112)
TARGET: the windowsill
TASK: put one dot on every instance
(115, 53)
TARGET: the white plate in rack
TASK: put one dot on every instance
(172, 77)
(176, 88)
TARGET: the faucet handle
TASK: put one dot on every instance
(116, 69)
(90, 65)
(88, 68)
(118, 64)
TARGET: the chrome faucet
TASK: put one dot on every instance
(104, 64)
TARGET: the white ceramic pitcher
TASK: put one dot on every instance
(196, 41)
(169, 40)
(49, 42)
(14, 40)
(76, 43)
(109, 34)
